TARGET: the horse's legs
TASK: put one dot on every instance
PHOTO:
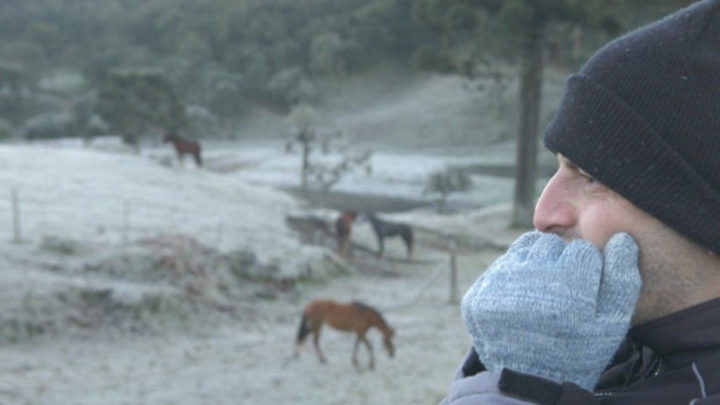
(370, 351)
(342, 245)
(298, 346)
(355, 350)
(316, 341)
(407, 237)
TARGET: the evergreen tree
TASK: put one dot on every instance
(135, 102)
(527, 21)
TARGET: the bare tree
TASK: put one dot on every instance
(446, 182)
(315, 136)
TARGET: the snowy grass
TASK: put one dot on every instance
(89, 213)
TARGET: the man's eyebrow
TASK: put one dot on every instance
(563, 161)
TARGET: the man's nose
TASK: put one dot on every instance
(554, 211)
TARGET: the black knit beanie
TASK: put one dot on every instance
(643, 117)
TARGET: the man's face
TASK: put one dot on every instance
(573, 205)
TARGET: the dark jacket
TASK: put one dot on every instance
(671, 360)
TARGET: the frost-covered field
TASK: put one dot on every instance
(140, 282)
(395, 173)
(72, 198)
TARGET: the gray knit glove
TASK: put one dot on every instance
(554, 309)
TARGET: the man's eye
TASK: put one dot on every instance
(590, 179)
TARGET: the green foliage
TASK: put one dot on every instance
(254, 40)
(48, 126)
(6, 130)
(47, 34)
(134, 102)
(518, 14)
(221, 94)
(428, 58)
(11, 77)
(451, 21)
(293, 86)
(202, 122)
(86, 123)
(326, 55)
(12, 86)
(528, 22)
(444, 15)
(273, 51)
(482, 22)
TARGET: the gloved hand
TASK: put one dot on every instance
(554, 309)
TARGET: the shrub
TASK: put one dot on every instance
(445, 182)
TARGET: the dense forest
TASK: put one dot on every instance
(87, 67)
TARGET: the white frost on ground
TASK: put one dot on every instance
(394, 173)
(99, 202)
(78, 194)
(107, 198)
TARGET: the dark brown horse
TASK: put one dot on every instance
(184, 146)
(353, 317)
(343, 229)
(384, 229)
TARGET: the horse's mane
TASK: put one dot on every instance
(364, 306)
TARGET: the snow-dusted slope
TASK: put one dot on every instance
(110, 198)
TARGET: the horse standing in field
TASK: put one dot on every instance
(184, 146)
(343, 229)
(384, 229)
(353, 317)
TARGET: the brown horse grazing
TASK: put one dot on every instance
(354, 317)
(385, 229)
(184, 146)
(343, 228)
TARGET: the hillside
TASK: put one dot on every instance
(121, 229)
(393, 108)
(182, 311)
(138, 281)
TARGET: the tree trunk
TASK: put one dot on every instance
(576, 44)
(305, 164)
(530, 95)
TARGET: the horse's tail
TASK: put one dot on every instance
(303, 330)
(198, 159)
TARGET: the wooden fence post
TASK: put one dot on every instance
(126, 221)
(16, 215)
(453, 273)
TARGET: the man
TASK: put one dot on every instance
(615, 299)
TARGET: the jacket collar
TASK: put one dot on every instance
(684, 336)
(668, 343)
